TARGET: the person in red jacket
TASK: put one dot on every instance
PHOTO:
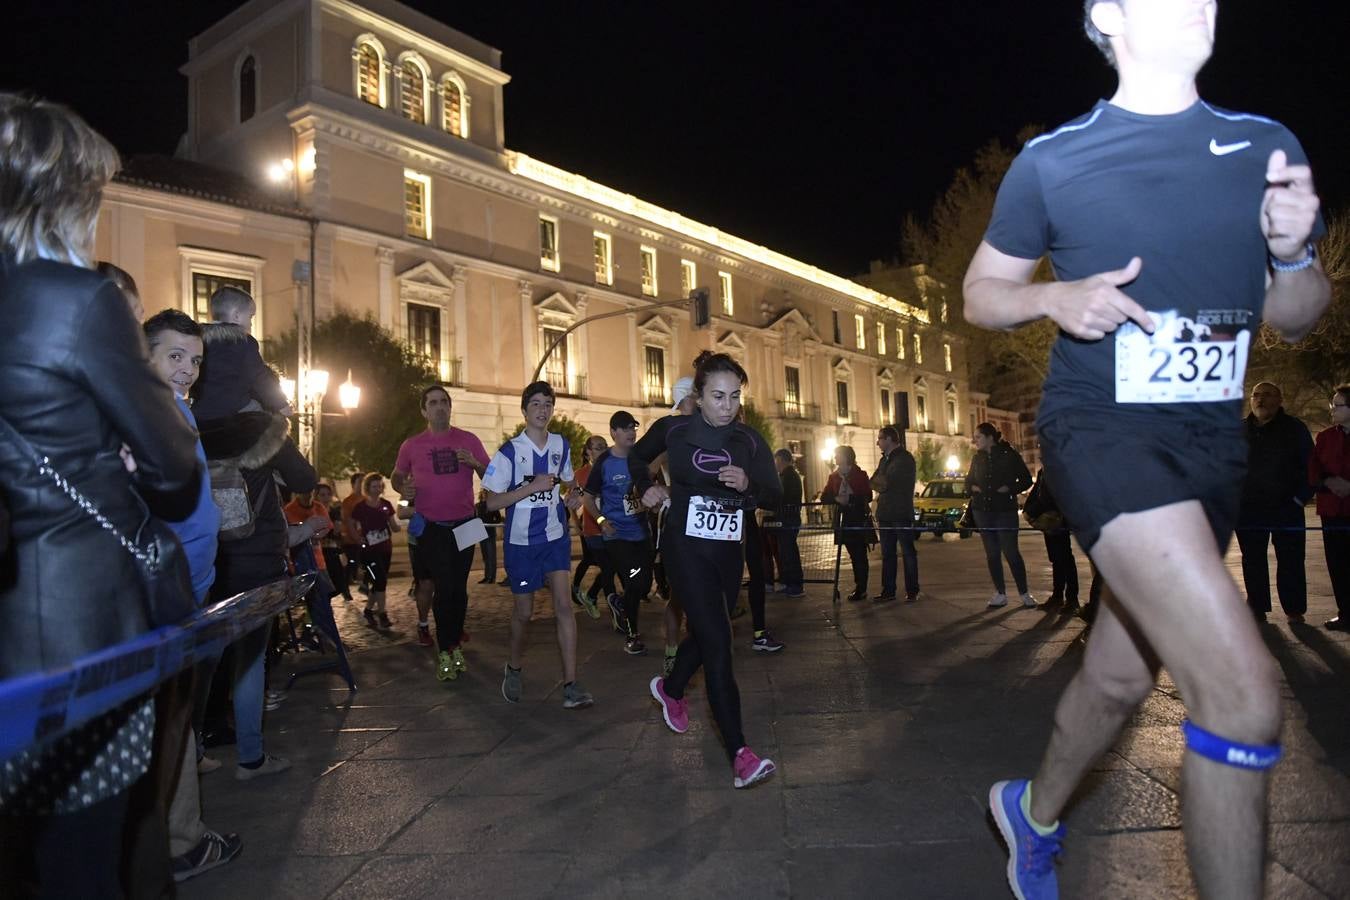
(1329, 472)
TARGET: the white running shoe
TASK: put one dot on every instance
(1028, 601)
(999, 599)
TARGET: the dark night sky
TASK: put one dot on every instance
(812, 127)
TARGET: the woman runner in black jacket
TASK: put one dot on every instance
(717, 466)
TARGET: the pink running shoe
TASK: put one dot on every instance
(750, 769)
(676, 712)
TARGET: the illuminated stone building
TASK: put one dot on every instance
(369, 140)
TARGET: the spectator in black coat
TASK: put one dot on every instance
(997, 475)
(1273, 497)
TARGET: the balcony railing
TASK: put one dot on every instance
(455, 373)
(847, 417)
(795, 409)
(655, 395)
(565, 387)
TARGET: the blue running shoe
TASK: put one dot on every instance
(1031, 857)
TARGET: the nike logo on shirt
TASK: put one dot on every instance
(1224, 149)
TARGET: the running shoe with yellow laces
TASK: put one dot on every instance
(1031, 854)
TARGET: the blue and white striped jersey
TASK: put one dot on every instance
(540, 517)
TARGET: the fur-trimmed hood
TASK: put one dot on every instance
(223, 333)
(252, 439)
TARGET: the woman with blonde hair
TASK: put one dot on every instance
(79, 391)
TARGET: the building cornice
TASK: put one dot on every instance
(415, 40)
(525, 180)
(231, 43)
(189, 210)
(579, 186)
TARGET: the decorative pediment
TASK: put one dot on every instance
(921, 383)
(793, 321)
(843, 369)
(656, 331)
(555, 310)
(731, 343)
(951, 389)
(425, 283)
(885, 378)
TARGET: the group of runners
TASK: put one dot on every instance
(1173, 227)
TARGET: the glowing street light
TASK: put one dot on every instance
(827, 450)
(953, 463)
(349, 395)
(280, 171)
(317, 383)
(288, 388)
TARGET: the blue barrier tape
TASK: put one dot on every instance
(42, 706)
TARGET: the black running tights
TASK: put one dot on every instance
(706, 576)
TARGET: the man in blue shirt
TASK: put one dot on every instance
(610, 499)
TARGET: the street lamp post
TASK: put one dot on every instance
(309, 406)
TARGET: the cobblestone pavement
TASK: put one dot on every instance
(888, 723)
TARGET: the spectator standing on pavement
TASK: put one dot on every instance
(850, 491)
(1329, 472)
(258, 445)
(435, 472)
(1042, 512)
(997, 475)
(1274, 494)
(789, 521)
(78, 387)
(893, 483)
(176, 349)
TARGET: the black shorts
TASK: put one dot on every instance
(1101, 466)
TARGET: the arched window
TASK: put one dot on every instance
(368, 74)
(248, 89)
(454, 105)
(413, 91)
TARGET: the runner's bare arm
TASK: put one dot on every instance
(1294, 300)
(1000, 295)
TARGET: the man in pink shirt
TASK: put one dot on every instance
(435, 472)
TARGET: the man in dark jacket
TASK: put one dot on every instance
(893, 483)
(1273, 497)
(258, 444)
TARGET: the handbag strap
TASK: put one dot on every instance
(148, 558)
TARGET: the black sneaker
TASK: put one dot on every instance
(370, 618)
(616, 613)
(883, 597)
(766, 643)
(634, 647)
(211, 851)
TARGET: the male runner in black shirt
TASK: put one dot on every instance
(1172, 226)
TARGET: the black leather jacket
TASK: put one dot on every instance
(77, 385)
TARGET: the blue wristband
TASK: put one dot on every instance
(1309, 257)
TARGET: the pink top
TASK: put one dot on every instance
(444, 486)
